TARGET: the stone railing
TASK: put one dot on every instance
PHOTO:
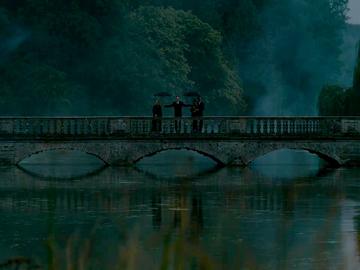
(206, 127)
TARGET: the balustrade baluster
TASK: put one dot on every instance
(172, 126)
(225, 126)
(26, 127)
(314, 126)
(258, 126)
(306, 126)
(31, 127)
(20, 127)
(76, 126)
(252, 126)
(48, 125)
(16, 127)
(286, 127)
(292, 127)
(132, 126)
(101, 127)
(265, 126)
(71, 127)
(137, 126)
(87, 127)
(144, 127)
(301, 126)
(298, 126)
(317, 127)
(188, 126)
(38, 127)
(65, 126)
(310, 126)
(212, 124)
(206, 126)
(97, 128)
(222, 126)
(272, 126)
(23, 127)
(42, 127)
(108, 128)
(83, 127)
(166, 126)
(49, 129)
(93, 127)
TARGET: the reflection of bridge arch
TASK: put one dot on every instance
(321, 152)
(39, 148)
(40, 176)
(192, 149)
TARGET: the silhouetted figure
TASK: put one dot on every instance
(201, 109)
(178, 106)
(157, 115)
(195, 114)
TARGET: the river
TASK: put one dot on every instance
(172, 212)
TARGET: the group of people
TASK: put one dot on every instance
(196, 109)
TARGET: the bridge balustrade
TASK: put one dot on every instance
(206, 127)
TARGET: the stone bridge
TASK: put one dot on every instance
(122, 141)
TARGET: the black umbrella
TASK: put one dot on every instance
(192, 94)
(162, 94)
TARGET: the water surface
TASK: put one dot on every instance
(181, 212)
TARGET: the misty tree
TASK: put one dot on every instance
(282, 49)
(331, 101)
(334, 100)
(114, 54)
(163, 49)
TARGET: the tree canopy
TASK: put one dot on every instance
(110, 56)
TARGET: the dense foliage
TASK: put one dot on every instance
(334, 100)
(110, 56)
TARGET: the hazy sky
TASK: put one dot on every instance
(354, 12)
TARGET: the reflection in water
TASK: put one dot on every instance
(177, 164)
(62, 164)
(293, 162)
(228, 219)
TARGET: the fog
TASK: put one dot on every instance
(354, 11)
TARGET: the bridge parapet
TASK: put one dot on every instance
(211, 127)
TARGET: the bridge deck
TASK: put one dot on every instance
(79, 128)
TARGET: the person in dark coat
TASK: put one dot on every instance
(195, 114)
(157, 115)
(201, 109)
(178, 105)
